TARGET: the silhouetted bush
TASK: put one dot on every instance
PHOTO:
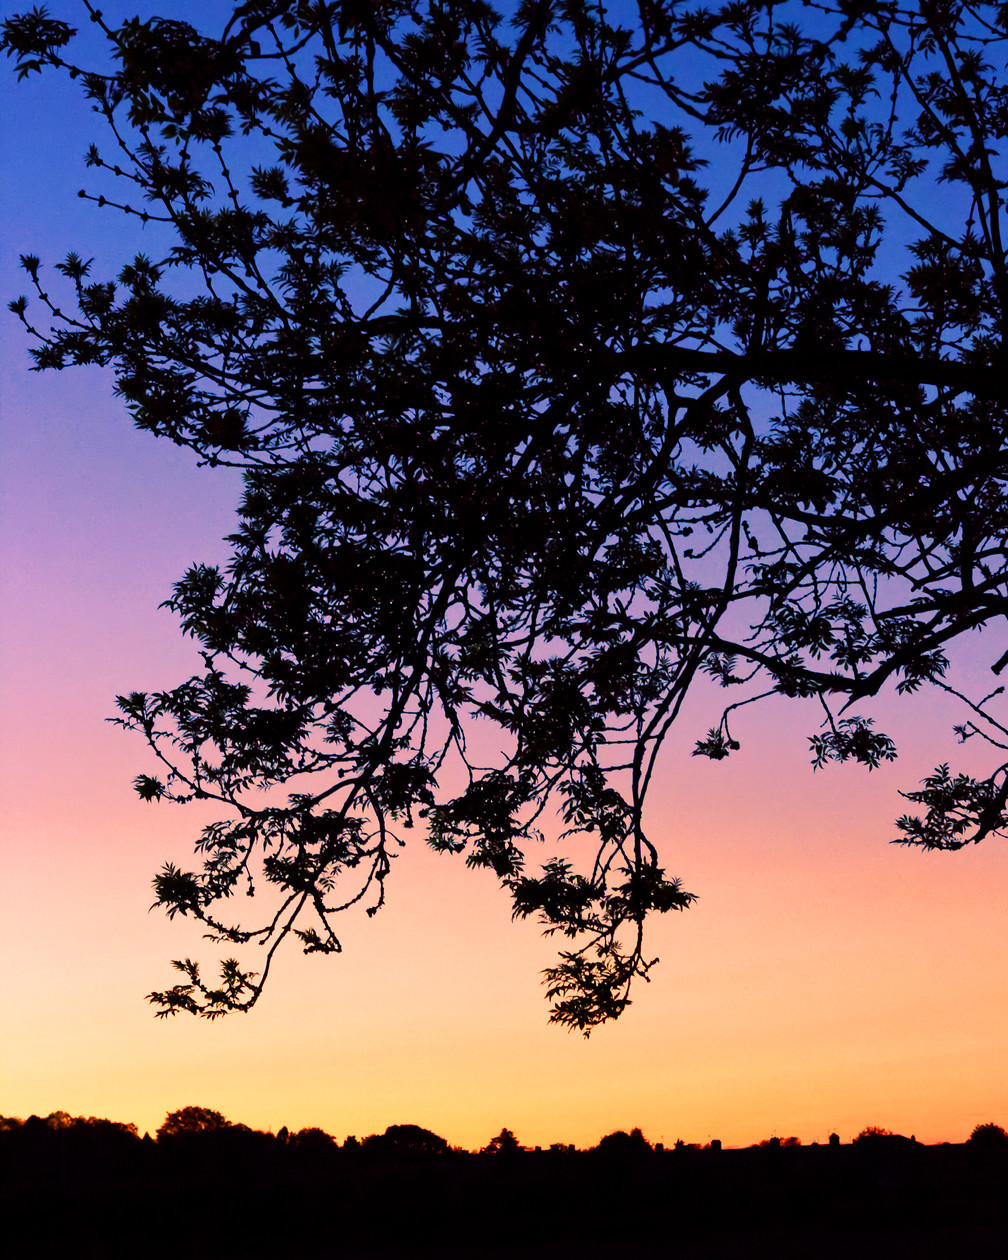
(621, 1145)
(989, 1135)
(405, 1139)
(505, 1143)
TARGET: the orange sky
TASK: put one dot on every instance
(825, 979)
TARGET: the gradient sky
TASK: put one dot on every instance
(824, 980)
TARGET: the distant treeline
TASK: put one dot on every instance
(206, 1187)
(399, 1139)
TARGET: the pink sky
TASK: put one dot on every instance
(825, 979)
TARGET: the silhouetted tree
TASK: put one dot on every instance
(505, 1143)
(405, 1139)
(874, 1133)
(990, 1136)
(622, 1145)
(313, 1142)
(571, 358)
(192, 1120)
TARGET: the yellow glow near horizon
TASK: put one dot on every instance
(824, 981)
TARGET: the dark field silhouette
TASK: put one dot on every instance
(206, 1187)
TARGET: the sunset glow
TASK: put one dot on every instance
(824, 981)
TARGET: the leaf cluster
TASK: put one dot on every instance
(571, 361)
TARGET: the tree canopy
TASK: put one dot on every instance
(573, 357)
(192, 1120)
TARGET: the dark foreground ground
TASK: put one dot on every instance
(238, 1195)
